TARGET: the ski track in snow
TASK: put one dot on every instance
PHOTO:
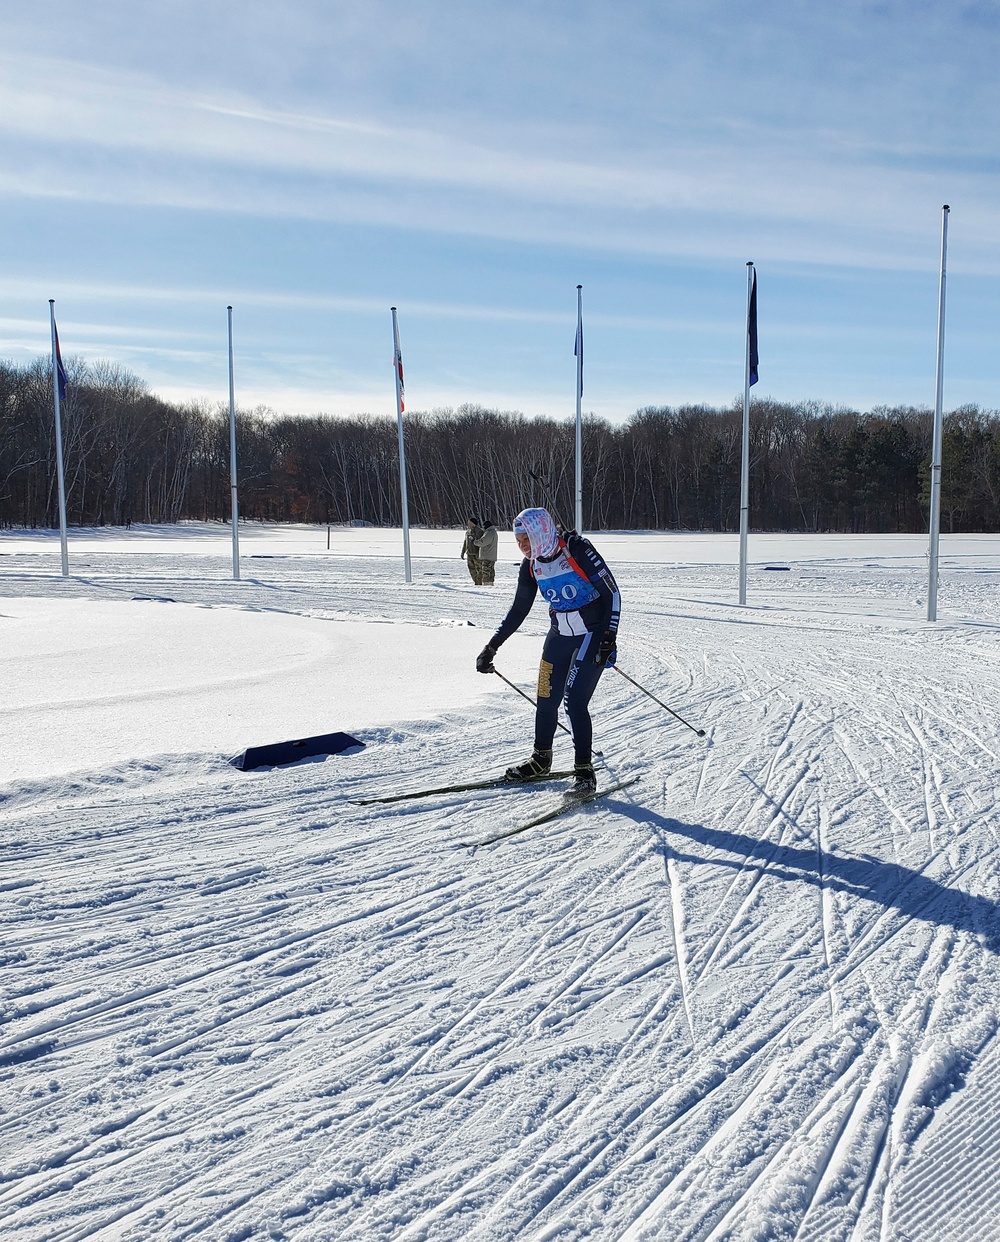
(737, 1001)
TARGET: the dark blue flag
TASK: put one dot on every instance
(60, 369)
(752, 327)
(397, 362)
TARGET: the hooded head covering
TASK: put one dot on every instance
(538, 525)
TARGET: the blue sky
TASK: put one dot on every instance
(315, 163)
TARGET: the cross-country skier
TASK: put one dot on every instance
(584, 606)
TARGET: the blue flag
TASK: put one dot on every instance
(60, 369)
(752, 328)
(397, 362)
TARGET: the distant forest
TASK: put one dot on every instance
(132, 457)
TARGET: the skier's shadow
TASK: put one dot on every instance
(912, 893)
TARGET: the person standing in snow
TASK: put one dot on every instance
(486, 548)
(470, 553)
(584, 606)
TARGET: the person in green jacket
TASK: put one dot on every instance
(470, 550)
(486, 546)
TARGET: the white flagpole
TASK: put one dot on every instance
(234, 508)
(63, 542)
(579, 408)
(745, 456)
(397, 366)
(935, 522)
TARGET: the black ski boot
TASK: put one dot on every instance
(586, 779)
(540, 764)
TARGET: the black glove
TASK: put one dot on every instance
(484, 661)
(607, 651)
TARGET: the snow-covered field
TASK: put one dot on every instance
(754, 996)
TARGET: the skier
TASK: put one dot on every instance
(584, 607)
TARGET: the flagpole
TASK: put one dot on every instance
(397, 366)
(579, 408)
(745, 455)
(935, 519)
(60, 475)
(234, 508)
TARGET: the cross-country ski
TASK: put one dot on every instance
(496, 782)
(570, 802)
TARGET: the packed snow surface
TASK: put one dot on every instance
(753, 996)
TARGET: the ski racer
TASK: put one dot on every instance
(584, 607)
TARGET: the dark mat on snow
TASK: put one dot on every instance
(292, 752)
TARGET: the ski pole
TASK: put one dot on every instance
(547, 495)
(528, 697)
(700, 732)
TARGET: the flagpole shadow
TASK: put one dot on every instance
(888, 884)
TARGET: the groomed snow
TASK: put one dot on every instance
(754, 996)
(117, 680)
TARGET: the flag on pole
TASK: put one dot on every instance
(60, 369)
(578, 352)
(752, 328)
(58, 396)
(397, 362)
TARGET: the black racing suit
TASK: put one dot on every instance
(569, 667)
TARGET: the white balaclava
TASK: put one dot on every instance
(538, 525)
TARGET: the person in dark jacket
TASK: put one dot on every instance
(584, 607)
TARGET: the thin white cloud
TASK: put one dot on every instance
(464, 311)
(118, 332)
(70, 104)
(107, 136)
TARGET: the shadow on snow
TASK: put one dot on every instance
(913, 893)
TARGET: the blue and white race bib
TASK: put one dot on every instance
(561, 586)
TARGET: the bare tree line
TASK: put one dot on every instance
(132, 457)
